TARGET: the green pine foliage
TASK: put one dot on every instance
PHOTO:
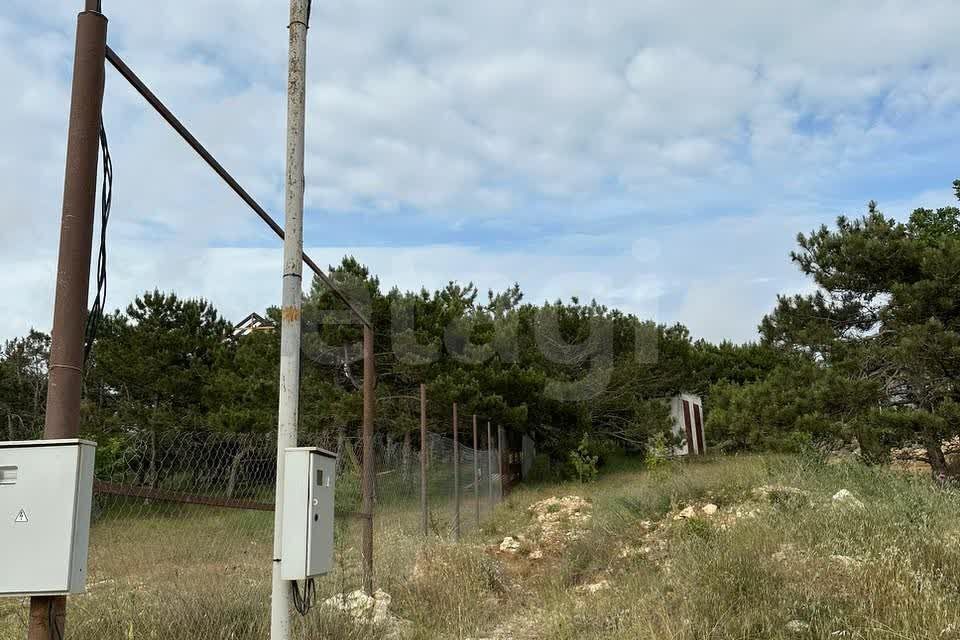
(875, 349)
(871, 356)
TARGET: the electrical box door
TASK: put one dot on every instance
(46, 492)
(309, 485)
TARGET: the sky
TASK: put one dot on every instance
(657, 156)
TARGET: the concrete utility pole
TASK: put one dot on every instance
(48, 613)
(369, 468)
(289, 408)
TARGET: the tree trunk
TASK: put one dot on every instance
(406, 455)
(235, 471)
(152, 470)
(36, 402)
(341, 443)
(346, 368)
(871, 451)
(938, 463)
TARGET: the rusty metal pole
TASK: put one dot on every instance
(456, 475)
(369, 404)
(424, 506)
(490, 463)
(73, 269)
(476, 470)
(500, 452)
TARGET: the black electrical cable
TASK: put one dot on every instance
(56, 633)
(106, 200)
(305, 601)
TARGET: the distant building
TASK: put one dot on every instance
(251, 324)
(686, 413)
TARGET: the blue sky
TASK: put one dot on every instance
(657, 156)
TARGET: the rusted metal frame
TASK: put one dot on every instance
(490, 450)
(476, 470)
(163, 495)
(369, 464)
(48, 613)
(218, 168)
(456, 474)
(176, 497)
(424, 452)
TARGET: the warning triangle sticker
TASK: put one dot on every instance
(22, 516)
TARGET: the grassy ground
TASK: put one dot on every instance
(783, 563)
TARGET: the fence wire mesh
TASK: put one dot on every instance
(182, 527)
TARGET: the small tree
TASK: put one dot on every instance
(886, 313)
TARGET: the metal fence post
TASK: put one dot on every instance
(500, 452)
(476, 469)
(456, 475)
(369, 470)
(73, 269)
(424, 452)
(490, 449)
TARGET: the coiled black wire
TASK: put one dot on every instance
(106, 200)
(305, 601)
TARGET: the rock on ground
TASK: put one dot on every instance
(597, 587)
(798, 626)
(690, 511)
(559, 521)
(686, 513)
(366, 609)
(510, 545)
(845, 498)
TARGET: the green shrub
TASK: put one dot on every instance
(657, 453)
(585, 465)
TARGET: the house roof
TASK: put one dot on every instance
(253, 322)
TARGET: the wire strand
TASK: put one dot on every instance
(106, 201)
(304, 602)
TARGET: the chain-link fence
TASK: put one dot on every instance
(182, 528)
(463, 485)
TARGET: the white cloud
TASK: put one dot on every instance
(585, 132)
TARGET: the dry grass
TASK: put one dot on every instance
(799, 568)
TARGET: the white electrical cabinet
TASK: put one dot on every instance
(309, 484)
(46, 492)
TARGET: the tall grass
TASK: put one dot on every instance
(788, 568)
(803, 568)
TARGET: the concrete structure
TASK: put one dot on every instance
(686, 412)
